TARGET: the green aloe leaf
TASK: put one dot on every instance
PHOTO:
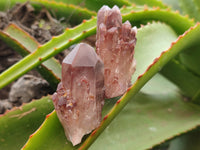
(96, 4)
(191, 8)
(187, 141)
(17, 35)
(147, 51)
(185, 80)
(187, 7)
(197, 3)
(50, 135)
(72, 13)
(178, 22)
(24, 44)
(190, 59)
(173, 4)
(17, 125)
(89, 4)
(151, 3)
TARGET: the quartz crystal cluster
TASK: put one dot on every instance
(115, 45)
(79, 97)
(86, 79)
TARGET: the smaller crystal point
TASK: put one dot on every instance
(115, 45)
(109, 17)
(79, 97)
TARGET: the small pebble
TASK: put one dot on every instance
(28, 87)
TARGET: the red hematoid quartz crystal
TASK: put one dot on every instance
(115, 45)
(79, 97)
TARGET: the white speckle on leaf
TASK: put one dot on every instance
(153, 129)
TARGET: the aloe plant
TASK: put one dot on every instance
(152, 111)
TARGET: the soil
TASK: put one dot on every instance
(42, 26)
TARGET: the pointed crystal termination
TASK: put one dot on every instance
(115, 45)
(79, 97)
